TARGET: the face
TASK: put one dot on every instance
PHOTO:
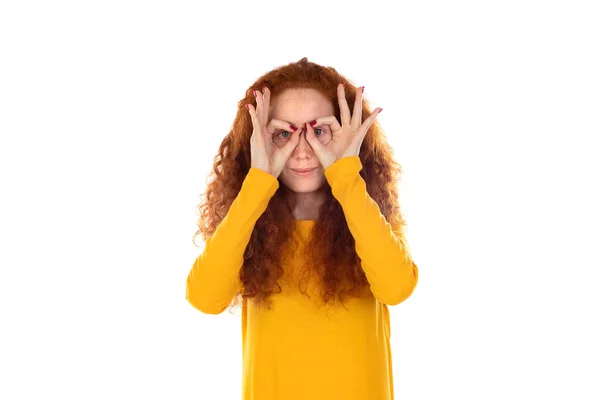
(299, 106)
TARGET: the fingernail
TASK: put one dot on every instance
(342, 83)
(247, 106)
(254, 91)
(293, 127)
(313, 122)
(362, 89)
(264, 88)
(381, 109)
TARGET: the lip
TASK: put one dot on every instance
(304, 171)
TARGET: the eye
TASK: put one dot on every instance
(283, 134)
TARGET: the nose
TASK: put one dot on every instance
(303, 148)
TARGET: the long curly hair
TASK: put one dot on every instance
(330, 251)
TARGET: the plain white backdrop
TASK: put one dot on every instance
(111, 113)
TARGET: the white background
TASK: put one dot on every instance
(111, 113)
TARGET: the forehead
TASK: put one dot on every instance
(300, 105)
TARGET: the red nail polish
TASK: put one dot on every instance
(254, 91)
(313, 122)
(293, 127)
(380, 110)
(362, 89)
(247, 106)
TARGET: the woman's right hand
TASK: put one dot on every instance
(265, 154)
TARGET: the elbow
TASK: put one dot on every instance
(403, 290)
(398, 297)
(202, 302)
(205, 306)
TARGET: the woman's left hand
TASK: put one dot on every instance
(346, 139)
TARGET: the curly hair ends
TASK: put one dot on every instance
(331, 247)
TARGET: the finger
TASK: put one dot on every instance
(275, 124)
(330, 120)
(364, 128)
(357, 113)
(312, 139)
(289, 147)
(266, 102)
(343, 103)
(255, 122)
(258, 96)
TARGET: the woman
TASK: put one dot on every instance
(302, 225)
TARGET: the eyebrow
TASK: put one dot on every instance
(303, 123)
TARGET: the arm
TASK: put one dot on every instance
(383, 250)
(214, 278)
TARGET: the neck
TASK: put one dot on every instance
(307, 205)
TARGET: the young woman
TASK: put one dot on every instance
(302, 225)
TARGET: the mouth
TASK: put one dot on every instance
(304, 171)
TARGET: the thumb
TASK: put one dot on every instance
(312, 139)
(291, 145)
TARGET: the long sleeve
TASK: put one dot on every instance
(383, 250)
(214, 278)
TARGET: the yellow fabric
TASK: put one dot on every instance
(300, 349)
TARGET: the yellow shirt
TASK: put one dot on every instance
(299, 350)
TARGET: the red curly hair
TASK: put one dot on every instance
(331, 244)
